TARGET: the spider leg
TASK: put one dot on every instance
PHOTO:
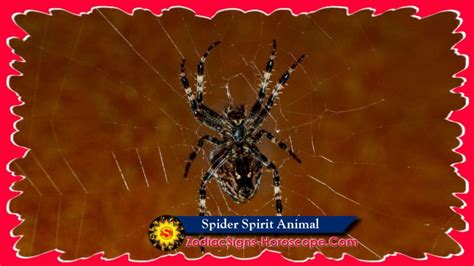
(211, 118)
(206, 111)
(187, 89)
(277, 142)
(200, 72)
(222, 158)
(200, 144)
(258, 179)
(204, 114)
(276, 177)
(276, 90)
(265, 81)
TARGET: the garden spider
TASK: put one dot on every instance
(236, 162)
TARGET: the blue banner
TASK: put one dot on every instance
(266, 224)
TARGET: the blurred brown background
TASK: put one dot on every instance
(109, 127)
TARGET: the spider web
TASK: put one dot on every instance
(338, 176)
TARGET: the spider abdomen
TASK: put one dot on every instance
(240, 178)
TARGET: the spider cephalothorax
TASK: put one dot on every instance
(236, 116)
(236, 162)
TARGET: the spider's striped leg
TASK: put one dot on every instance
(200, 72)
(187, 89)
(276, 177)
(258, 179)
(211, 118)
(265, 81)
(200, 144)
(207, 114)
(222, 157)
(276, 90)
(204, 114)
(277, 142)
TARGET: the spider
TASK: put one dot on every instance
(236, 162)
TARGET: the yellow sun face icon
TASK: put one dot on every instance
(166, 233)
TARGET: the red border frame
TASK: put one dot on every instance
(8, 99)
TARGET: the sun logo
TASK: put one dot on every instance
(166, 233)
